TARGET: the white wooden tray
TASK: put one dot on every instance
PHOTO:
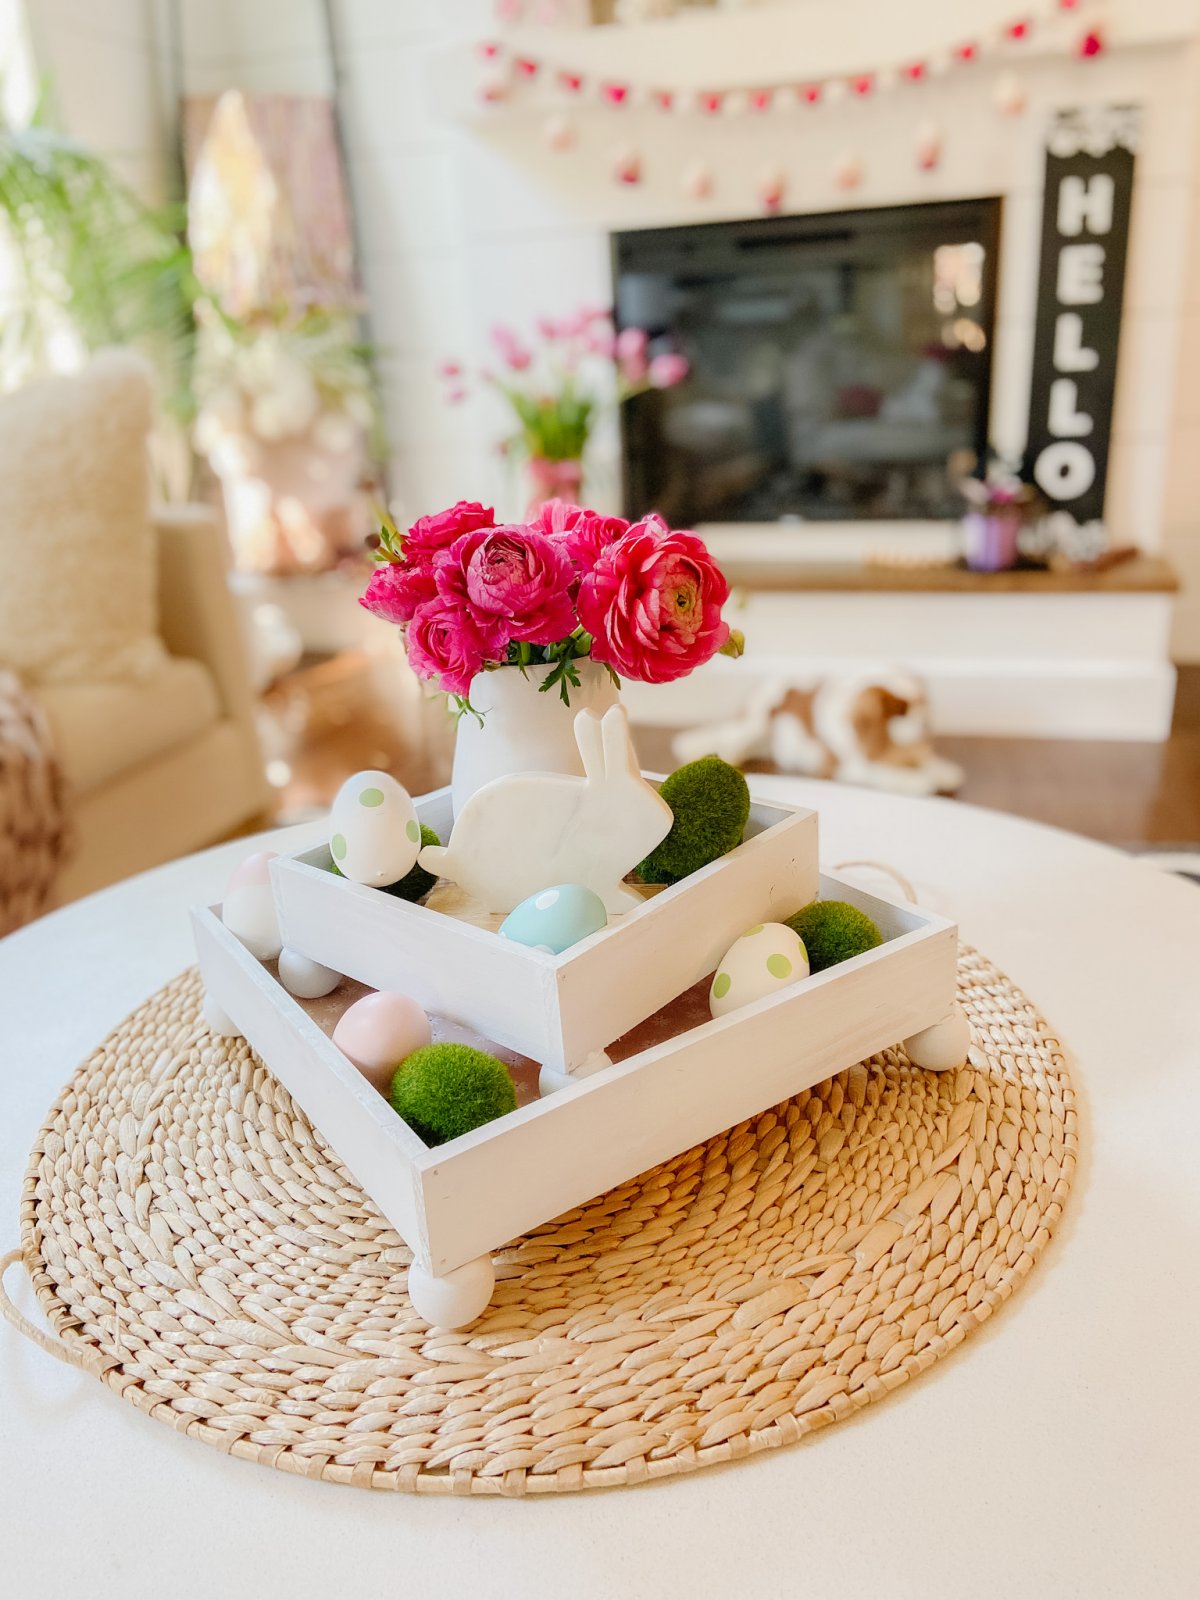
(557, 1010)
(455, 1203)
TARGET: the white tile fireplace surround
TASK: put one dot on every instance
(468, 218)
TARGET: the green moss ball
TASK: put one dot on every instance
(444, 1090)
(415, 884)
(710, 801)
(833, 931)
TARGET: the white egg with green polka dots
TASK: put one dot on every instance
(766, 958)
(374, 835)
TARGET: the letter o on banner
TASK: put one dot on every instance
(1065, 470)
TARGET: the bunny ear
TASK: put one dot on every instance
(591, 748)
(619, 754)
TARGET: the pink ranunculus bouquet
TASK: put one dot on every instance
(643, 600)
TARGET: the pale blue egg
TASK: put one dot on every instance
(556, 918)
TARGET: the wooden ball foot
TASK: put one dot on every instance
(943, 1047)
(552, 1079)
(218, 1019)
(456, 1298)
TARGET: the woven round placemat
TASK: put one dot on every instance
(194, 1242)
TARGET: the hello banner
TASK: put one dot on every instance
(1085, 230)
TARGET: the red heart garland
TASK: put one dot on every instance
(616, 93)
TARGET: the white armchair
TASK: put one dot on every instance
(161, 767)
(121, 628)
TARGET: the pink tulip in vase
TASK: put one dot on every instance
(554, 386)
(524, 624)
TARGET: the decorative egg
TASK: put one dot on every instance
(555, 918)
(374, 835)
(307, 980)
(767, 957)
(248, 910)
(380, 1031)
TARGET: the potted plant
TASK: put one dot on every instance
(92, 266)
(524, 624)
(555, 385)
(998, 505)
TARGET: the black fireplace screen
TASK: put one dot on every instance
(839, 363)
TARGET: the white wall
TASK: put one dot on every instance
(106, 65)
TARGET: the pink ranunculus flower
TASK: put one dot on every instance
(581, 533)
(442, 642)
(652, 604)
(430, 534)
(556, 516)
(589, 536)
(513, 578)
(397, 589)
(668, 369)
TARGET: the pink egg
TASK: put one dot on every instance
(377, 1032)
(254, 869)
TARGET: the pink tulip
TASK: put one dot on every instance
(631, 343)
(631, 353)
(449, 370)
(668, 370)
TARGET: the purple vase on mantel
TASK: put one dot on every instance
(990, 539)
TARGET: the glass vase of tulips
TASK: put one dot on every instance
(557, 382)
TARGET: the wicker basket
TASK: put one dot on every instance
(33, 817)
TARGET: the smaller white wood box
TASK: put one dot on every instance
(456, 1203)
(557, 1010)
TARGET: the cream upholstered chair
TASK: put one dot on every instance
(120, 623)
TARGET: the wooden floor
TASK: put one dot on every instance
(336, 717)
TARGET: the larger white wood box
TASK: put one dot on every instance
(557, 1010)
(455, 1203)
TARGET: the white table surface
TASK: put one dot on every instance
(1057, 1453)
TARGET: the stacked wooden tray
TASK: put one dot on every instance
(602, 1117)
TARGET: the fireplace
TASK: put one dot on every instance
(839, 363)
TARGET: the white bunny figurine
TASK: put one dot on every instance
(532, 830)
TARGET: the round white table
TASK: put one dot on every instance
(1055, 1454)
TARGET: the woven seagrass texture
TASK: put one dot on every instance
(194, 1242)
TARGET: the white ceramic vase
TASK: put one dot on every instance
(523, 730)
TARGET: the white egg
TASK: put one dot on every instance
(374, 835)
(248, 910)
(307, 980)
(766, 958)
